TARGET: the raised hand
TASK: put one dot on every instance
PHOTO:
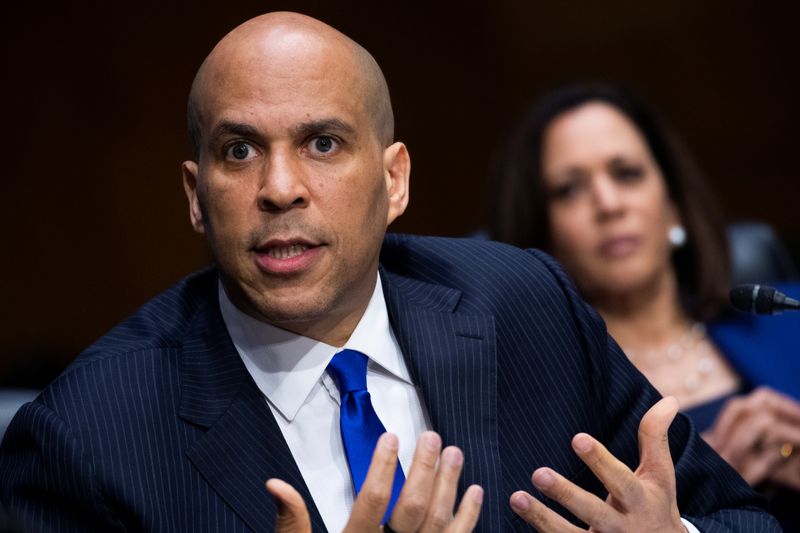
(759, 435)
(643, 500)
(425, 504)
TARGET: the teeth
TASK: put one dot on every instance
(285, 252)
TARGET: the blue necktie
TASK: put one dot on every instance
(360, 424)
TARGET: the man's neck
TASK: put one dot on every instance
(330, 326)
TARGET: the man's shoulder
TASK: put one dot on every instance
(489, 277)
(160, 324)
(439, 258)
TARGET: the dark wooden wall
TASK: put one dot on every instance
(94, 218)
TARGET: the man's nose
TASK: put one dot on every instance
(283, 183)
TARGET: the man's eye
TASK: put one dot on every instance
(323, 144)
(240, 151)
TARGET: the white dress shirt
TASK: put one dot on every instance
(290, 370)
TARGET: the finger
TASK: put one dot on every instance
(615, 475)
(781, 405)
(583, 504)
(762, 463)
(371, 502)
(787, 474)
(412, 505)
(759, 402)
(780, 433)
(292, 512)
(757, 468)
(469, 510)
(749, 448)
(746, 439)
(443, 499)
(720, 430)
(756, 432)
(654, 456)
(539, 515)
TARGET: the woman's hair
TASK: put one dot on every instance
(518, 200)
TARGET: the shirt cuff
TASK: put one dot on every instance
(689, 527)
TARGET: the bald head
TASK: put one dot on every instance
(284, 42)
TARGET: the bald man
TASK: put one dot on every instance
(177, 417)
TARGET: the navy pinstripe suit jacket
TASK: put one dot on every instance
(159, 427)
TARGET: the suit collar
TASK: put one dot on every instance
(212, 372)
(242, 445)
(452, 358)
(419, 294)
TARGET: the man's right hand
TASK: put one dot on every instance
(425, 504)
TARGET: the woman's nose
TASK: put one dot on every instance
(607, 196)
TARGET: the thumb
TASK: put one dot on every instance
(653, 440)
(292, 513)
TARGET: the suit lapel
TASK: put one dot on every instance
(452, 359)
(243, 445)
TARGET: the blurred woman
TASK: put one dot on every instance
(593, 178)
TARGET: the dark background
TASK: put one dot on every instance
(94, 218)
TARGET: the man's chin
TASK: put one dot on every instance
(281, 314)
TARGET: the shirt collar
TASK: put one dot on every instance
(287, 366)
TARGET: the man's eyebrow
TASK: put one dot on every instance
(237, 129)
(332, 125)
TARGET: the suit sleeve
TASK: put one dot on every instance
(711, 494)
(46, 482)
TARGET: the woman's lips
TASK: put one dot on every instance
(619, 247)
(287, 258)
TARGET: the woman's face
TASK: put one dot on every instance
(608, 204)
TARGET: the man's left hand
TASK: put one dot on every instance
(643, 500)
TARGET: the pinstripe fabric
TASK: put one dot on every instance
(513, 364)
(158, 426)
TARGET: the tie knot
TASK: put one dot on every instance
(349, 370)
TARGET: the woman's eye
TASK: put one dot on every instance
(629, 173)
(565, 191)
(570, 187)
(240, 151)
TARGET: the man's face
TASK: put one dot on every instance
(294, 190)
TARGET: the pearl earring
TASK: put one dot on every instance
(677, 235)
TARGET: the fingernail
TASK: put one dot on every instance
(543, 478)
(389, 441)
(430, 441)
(520, 503)
(582, 442)
(477, 494)
(452, 456)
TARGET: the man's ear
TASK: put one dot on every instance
(189, 170)
(396, 171)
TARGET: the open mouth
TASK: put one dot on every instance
(288, 256)
(286, 252)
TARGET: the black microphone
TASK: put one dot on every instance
(761, 300)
